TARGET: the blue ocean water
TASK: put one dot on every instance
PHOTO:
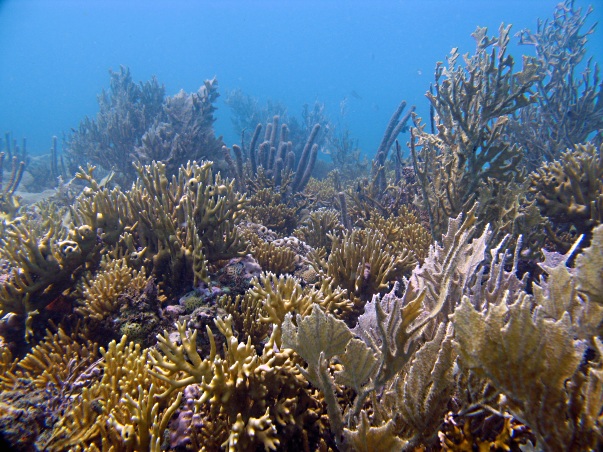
(359, 58)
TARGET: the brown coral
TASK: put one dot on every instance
(119, 409)
(273, 258)
(100, 294)
(364, 263)
(261, 396)
(472, 105)
(569, 191)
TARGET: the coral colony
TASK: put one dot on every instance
(175, 294)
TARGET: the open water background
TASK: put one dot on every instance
(359, 58)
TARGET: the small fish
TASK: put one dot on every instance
(355, 95)
(105, 180)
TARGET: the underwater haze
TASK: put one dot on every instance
(358, 58)
(301, 226)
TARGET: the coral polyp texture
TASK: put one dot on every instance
(181, 295)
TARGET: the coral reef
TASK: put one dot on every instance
(569, 192)
(451, 303)
(364, 263)
(9, 202)
(317, 226)
(273, 258)
(569, 110)
(273, 163)
(184, 130)
(472, 105)
(266, 206)
(540, 348)
(260, 398)
(126, 111)
(136, 123)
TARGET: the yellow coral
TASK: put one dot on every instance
(267, 207)
(255, 392)
(59, 359)
(273, 258)
(101, 292)
(403, 232)
(43, 267)
(364, 263)
(570, 190)
(120, 410)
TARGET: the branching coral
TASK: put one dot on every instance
(364, 263)
(569, 108)
(404, 232)
(472, 107)
(266, 206)
(386, 342)
(262, 397)
(173, 229)
(569, 191)
(317, 226)
(43, 268)
(9, 204)
(120, 409)
(37, 389)
(273, 258)
(197, 213)
(263, 307)
(59, 361)
(100, 293)
(402, 362)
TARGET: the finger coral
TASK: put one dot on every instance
(42, 268)
(364, 263)
(119, 408)
(100, 294)
(261, 396)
